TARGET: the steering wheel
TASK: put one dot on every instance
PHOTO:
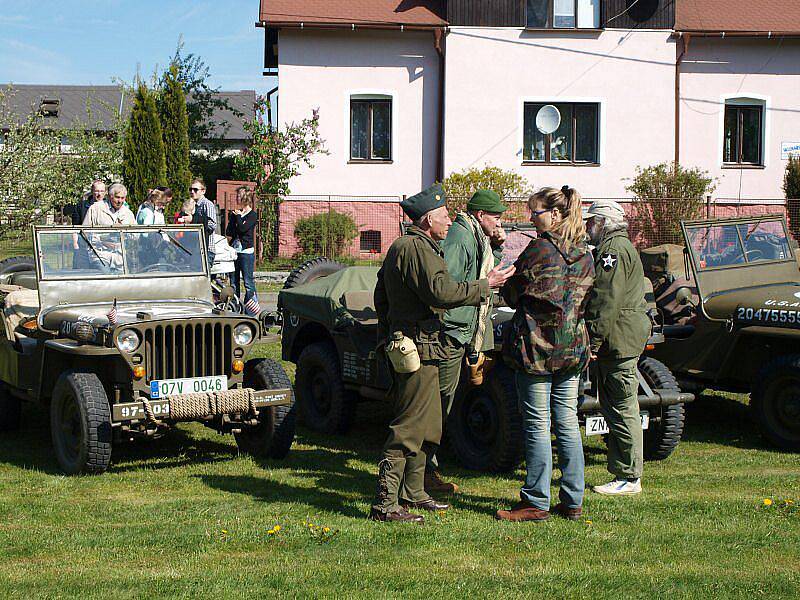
(163, 267)
(758, 255)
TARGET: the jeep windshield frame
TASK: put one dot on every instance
(124, 252)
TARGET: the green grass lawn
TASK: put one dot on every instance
(185, 516)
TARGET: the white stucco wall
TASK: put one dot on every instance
(490, 73)
(322, 69)
(714, 70)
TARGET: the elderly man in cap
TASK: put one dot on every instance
(616, 316)
(472, 248)
(412, 292)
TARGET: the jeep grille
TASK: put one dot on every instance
(188, 350)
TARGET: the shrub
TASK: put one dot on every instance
(325, 234)
(666, 194)
(461, 185)
(791, 188)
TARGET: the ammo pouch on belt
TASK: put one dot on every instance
(402, 353)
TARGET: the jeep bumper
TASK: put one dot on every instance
(658, 397)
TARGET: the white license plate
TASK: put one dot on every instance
(164, 388)
(598, 426)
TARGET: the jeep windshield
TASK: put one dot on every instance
(722, 245)
(76, 253)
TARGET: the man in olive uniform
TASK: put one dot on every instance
(472, 248)
(616, 316)
(413, 289)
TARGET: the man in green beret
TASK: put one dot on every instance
(413, 291)
(472, 248)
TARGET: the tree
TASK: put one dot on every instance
(666, 194)
(461, 185)
(144, 166)
(175, 132)
(791, 188)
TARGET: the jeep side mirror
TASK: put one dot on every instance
(686, 263)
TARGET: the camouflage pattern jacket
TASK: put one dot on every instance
(547, 334)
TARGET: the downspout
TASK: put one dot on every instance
(438, 43)
(269, 103)
(685, 39)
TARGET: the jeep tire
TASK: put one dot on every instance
(311, 270)
(324, 404)
(16, 264)
(274, 434)
(485, 425)
(775, 401)
(80, 423)
(665, 430)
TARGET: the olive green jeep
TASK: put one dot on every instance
(116, 330)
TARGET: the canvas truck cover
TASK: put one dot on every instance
(326, 299)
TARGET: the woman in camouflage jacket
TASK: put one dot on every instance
(548, 346)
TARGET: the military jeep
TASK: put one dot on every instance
(731, 304)
(330, 331)
(115, 329)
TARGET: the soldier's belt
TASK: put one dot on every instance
(187, 407)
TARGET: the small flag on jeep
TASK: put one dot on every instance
(112, 314)
(252, 307)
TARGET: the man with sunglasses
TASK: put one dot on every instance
(205, 213)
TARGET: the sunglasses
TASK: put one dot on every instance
(536, 213)
(195, 189)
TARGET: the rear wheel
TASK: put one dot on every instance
(80, 424)
(775, 401)
(311, 270)
(664, 434)
(324, 404)
(485, 426)
(274, 434)
(10, 410)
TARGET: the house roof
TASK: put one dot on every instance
(738, 16)
(96, 106)
(418, 13)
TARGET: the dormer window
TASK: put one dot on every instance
(563, 14)
(49, 107)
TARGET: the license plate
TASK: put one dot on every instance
(598, 426)
(164, 388)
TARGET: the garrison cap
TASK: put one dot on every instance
(486, 200)
(424, 202)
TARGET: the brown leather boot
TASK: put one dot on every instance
(399, 516)
(430, 505)
(523, 511)
(435, 485)
(573, 514)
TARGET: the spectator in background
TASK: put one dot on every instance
(79, 210)
(111, 211)
(185, 215)
(241, 235)
(151, 212)
(205, 213)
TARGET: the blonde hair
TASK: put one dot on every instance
(568, 202)
(189, 206)
(155, 195)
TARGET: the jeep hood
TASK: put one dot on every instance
(98, 313)
(724, 305)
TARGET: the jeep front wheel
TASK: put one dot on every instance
(664, 433)
(325, 405)
(274, 434)
(80, 424)
(775, 401)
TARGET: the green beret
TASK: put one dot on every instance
(486, 200)
(427, 200)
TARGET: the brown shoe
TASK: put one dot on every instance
(523, 512)
(573, 514)
(399, 516)
(434, 484)
(430, 504)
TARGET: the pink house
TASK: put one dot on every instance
(410, 91)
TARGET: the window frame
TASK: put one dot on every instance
(370, 127)
(740, 108)
(550, 23)
(549, 137)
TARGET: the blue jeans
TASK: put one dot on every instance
(538, 395)
(245, 263)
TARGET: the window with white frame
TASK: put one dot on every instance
(371, 129)
(563, 14)
(577, 139)
(743, 132)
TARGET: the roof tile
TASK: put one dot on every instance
(738, 16)
(360, 12)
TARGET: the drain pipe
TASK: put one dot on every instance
(685, 39)
(438, 43)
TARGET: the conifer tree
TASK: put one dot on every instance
(143, 165)
(791, 187)
(175, 132)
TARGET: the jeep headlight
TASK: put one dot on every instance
(243, 334)
(128, 340)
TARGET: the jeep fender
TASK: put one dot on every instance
(60, 355)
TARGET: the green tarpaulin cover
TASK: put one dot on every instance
(323, 299)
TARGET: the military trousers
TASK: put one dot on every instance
(449, 376)
(415, 429)
(617, 387)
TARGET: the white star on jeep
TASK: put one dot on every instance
(609, 261)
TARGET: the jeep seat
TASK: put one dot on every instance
(20, 305)
(361, 305)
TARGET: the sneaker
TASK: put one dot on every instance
(620, 487)
(435, 485)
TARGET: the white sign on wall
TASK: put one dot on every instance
(789, 148)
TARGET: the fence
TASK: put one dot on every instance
(15, 235)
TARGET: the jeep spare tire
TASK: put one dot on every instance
(311, 270)
(15, 264)
(324, 404)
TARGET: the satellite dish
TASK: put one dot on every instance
(548, 119)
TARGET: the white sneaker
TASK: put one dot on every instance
(619, 487)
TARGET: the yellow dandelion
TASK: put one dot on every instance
(326, 529)
(224, 532)
(588, 521)
(271, 532)
(789, 501)
(767, 502)
(277, 528)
